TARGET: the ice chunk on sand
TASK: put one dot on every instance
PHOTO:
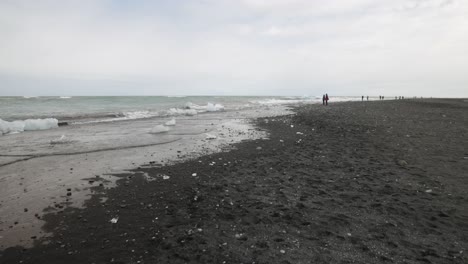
(40, 124)
(171, 122)
(209, 136)
(114, 220)
(159, 129)
(28, 124)
(60, 140)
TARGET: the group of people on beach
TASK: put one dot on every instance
(325, 99)
(381, 97)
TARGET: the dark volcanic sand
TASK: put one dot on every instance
(371, 182)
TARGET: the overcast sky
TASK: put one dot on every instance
(234, 47)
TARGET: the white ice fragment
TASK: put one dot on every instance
(165, 177)
(194, 174)
(171, 122)
(292, 125)
(429, 190)
(281, 140)
(159, 129)
(299, 133)
(28, 124)
(60, 140)
(349, 234)
(209, 136)
(282, 251)
(114, 220)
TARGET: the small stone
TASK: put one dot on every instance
(194, 175)
(282, 251)
(69, 193)
(402, 163)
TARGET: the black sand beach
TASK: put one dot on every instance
(358, 182)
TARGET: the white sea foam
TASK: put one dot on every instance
(178, 111)
(137, 115)
(273, 101)
(65, 97)
(210, 107)
(214, 107)
(27, 125)
(191, 105)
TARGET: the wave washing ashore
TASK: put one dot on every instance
(19, 114)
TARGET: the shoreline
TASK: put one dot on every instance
(372, 182)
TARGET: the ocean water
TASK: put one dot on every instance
(131, 107)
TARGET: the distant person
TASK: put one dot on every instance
(362, 99)
(367, 98)
(383, 97)
(323, 99)
(380, 97)
(326, 99)
(402, 97)
(396, 98)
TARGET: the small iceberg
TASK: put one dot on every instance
(209, 136)
(159, 129)
(60, 140)
(171, 122)
(27, 125)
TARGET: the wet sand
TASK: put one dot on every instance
(370, 182)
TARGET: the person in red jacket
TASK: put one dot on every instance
(326, 99)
